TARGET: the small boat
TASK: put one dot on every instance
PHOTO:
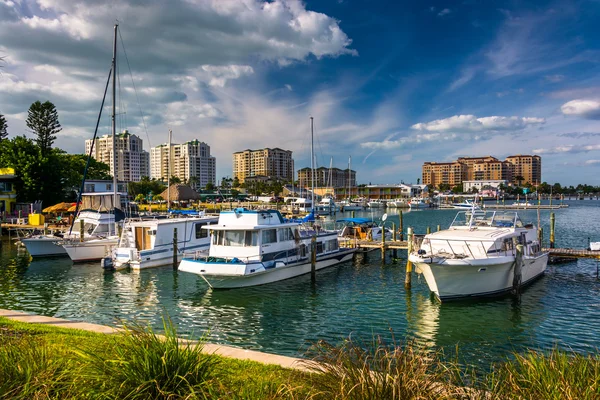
(149, 243)
(361, 229)
(466, 205)
(326, 206)
(595, 246)
(477, 256)
(256, 247)
(417, 202)
(375, 203)
(397, 203)
(349, 205)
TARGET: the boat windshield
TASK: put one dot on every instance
(235, 238)
(494, 219)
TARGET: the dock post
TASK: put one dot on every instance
(383, 243)
(81, 229)
(394, 238)
(552, 222)
(313, 259)
(175, 248)
(401, 227)
(541, 236)
(428, 230)
(408, 277)
(353, 213)
(517, 269)
(439, 228)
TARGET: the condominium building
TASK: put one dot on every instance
(484, 168)
(191, 162)
(330, 177)
(272, 163)
(529, 168)
(132, 160)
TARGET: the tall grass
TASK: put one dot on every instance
(552, 376)
(143, 365)
(378, 371)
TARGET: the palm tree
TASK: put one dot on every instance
(520, 179)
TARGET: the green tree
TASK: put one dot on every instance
(145, 186)
(157, 197)
(457, 189)
(236, 183)
(3, 126)
(209, 186)
(42, 119)
(520, 179)
(72, 167)
(174, 180)
(140, 198)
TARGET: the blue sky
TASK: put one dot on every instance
(392, 84)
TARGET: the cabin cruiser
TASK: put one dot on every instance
(149, 243)
(250, 248)
(466, 205)
(417, 202)
(397, 203)
(349, 205)
(477, 255)
(326, 206)
(376, 203)
(93, 221)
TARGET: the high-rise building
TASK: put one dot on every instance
(273, 163)
(529, 168)
(330, 177)
(190, 161)
(132, 160)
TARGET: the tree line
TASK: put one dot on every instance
(43, 172)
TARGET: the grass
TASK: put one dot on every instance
(44, 362)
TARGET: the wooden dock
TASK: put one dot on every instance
(522, 207)
(573, 253)
(372, 244)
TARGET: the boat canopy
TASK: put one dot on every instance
(358, 221)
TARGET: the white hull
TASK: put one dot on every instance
(418, 205)
(148, 259)
(90, 250)
(238, 278)
(352, 208)
(376, 205)
(455, 278)
(44, 246)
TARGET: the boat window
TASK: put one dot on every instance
(251, 238)
(331, 245)
(285, 234)
(269, 236)
(217, 237)
(234, 238)
(201, 233)
(319, 247)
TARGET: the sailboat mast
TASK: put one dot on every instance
(114, 126)
(349, 177)
(312, 163)
(169, 172)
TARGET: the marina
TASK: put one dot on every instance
(356, 297)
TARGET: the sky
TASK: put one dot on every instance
(391, 84)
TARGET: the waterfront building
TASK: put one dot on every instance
(133, 161)
(483, 184)
(483, 168)
(8, 193)
(333, 177)
(275, 164)
(102, 186)
(191, 162)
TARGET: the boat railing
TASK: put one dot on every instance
(469, 245)
(200, 255)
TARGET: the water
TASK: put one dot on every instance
(361, 298)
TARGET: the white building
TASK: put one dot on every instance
(189, 161)
(132, 161)
(492, 184)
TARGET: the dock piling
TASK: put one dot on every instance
(394, 238)
(401, 227)
(439, 228)
(81, 229)
(552, 223)
(517, 270)
(428, 230)
(408, 277)
(313, 259)
(383, 243)
(175, 248)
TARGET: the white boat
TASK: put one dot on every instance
(397, 203)
(326, 206)
(250, 248)
(477, 255)
(149, 243)
(349, 205)
(375, 203)
(595, 246)
(91, 249)
(417, 202)
(522, 204)
(361, 229)
(95, 224)
(301, 205)
(466, 205)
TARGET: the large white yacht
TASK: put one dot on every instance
(149, 243)
(477, 255)
(250, 248)
(326, 206)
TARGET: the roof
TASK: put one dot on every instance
(179, 192)
(355, 220)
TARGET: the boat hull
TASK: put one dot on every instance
(456, 279)
(128, 257)
(91, 250)
(44, 246)
(237, 277)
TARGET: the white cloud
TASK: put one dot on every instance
(219, 75)
(569, 148)
(445, 11)
(554, 78)
(470, 123)
(582, 108)
(412, 139)
(592, 162)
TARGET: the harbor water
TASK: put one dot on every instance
(362, 298)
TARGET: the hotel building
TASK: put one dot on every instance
(271, 163)
(190, 161)
(132, 160)
(330, 177)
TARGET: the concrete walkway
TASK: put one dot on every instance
(225, 351)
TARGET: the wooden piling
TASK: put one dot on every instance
(541, 236)
(428, 230)
(401, 227)
(353, 213)
(439, 228)
(175, 265)
(383, 243)
(313, 259)
(552, 223)
(394, 231)
(408, 277)
(517, 270)
(81, 229)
